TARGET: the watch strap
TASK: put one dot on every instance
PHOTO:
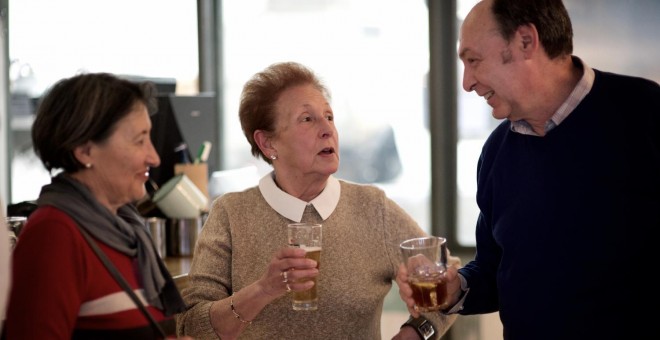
(423, 327)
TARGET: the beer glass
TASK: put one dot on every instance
(308, 237)
(426, 261)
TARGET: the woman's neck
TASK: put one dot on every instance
(303, 188)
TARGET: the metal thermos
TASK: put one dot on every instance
(182, 235)
(156, 227)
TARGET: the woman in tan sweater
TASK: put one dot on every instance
(242, 269)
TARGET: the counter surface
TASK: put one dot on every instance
(179, 267)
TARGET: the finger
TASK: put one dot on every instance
(300, 286)
(414, 312)
(402, 278)
(402, 272)
(407, 298)
(287, 252)
(454, 261)
(293, 286)
(299, 275)
(288, 258)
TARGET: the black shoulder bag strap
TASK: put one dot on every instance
(120, 279)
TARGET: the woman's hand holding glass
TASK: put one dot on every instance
(285, 271)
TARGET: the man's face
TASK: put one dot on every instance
(492, 67)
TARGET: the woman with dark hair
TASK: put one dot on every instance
(96, 129)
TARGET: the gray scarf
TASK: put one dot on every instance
(124, 232)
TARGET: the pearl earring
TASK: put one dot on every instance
(273, 157)
(88, 165)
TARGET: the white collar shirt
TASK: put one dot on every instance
(580, 91)
(293, 207)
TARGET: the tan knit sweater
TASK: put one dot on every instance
(358, 265)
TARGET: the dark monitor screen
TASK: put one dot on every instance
(166, 136)
(183, 119)
(198, 120)
(164, 85)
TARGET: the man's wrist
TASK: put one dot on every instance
(458, 306)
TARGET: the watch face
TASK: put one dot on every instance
(427, 330)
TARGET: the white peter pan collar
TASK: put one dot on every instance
(293, 207)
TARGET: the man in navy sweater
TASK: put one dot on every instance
(568, 183)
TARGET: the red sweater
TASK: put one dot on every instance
(59, 286)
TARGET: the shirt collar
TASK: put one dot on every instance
(580, 91)
(293, 207)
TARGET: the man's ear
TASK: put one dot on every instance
(527, 38)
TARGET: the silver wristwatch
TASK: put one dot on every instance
(422, 326)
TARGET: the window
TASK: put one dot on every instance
(375, 63)
(54, 39)
(375, 68)
(609, 35)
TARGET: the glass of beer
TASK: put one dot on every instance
(308, 237)
(426, 261)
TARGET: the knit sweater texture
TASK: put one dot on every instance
(61, 290)
(359, 260)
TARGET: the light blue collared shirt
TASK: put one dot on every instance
(580, 91)
(293, 207)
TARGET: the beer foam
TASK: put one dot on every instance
(313, 248)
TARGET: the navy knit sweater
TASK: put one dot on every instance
(564, 238)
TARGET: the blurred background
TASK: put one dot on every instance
(404, 122)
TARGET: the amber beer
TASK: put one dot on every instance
(307, 299)
(426, 263)
(429, 293)
(306, 236)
